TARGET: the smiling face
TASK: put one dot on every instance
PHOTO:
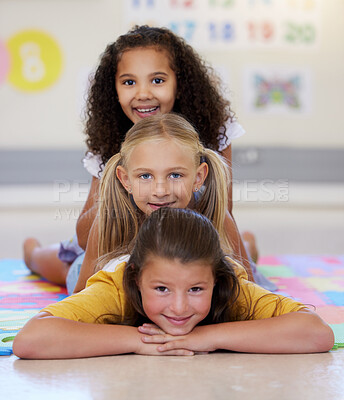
(161, 174)
(145, 83)
(176, 296)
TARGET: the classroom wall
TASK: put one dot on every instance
(49, 117)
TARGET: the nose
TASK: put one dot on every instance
(143, 92)
(161, 188)
(179, 304)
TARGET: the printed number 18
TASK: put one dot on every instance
(224, 32)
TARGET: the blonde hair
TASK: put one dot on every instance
(120, 220)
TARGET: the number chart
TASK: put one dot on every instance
(231, 24)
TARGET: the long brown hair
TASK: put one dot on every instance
(186, 236)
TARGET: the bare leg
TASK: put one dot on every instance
(44, 261)
(250, 239)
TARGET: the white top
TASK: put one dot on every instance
(112, 265)
(92, 161)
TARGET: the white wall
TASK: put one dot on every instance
(83, 28)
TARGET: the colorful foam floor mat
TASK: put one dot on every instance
(313, 280)
(22, 295)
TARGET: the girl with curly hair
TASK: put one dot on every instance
(178, 294)
(147, 71)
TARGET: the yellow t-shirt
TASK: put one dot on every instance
(104, 295)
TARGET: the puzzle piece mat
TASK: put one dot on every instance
(313, 280)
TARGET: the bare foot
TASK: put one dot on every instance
(29, 246)
(250, 239)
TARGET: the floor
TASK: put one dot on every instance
(204, 377)
(297, 226)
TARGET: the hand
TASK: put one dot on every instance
(146, 348)
(150, 329)
(200, 340)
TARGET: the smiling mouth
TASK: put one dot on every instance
(146, 111)
(178, 320)
(155, 206)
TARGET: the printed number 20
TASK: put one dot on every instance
(300, 33)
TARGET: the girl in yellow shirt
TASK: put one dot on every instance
(178, 294)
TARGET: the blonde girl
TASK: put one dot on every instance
(162, 163)
(177, 295)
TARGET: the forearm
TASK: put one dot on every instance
(227, 153)
(48, 337)
(84, 225)
(239, 251)
(297, 332)
(88, 214)
(90, 259)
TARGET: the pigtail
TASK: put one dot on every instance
(213, 203)
(118, 220)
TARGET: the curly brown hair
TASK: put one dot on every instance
(199, 98)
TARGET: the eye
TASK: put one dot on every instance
(161, 289)
(158, 80)
(129, 82)
(196, 289)
(175, 175)
(145, 176)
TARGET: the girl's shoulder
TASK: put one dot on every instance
(103, 295)
(233, 131)
(116, 263)
(93, 164)
(255, 302)
(239, 270)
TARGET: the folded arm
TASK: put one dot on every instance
(297, 332)
(49, 337)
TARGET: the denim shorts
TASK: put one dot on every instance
(73, 273)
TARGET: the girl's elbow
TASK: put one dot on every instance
(324, 340)
(319, 336)
(28, 341)
(23, 346)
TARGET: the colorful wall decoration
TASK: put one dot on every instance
(30, 60)
(231, 24)
(279, 90)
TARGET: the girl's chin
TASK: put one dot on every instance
(175, 331)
